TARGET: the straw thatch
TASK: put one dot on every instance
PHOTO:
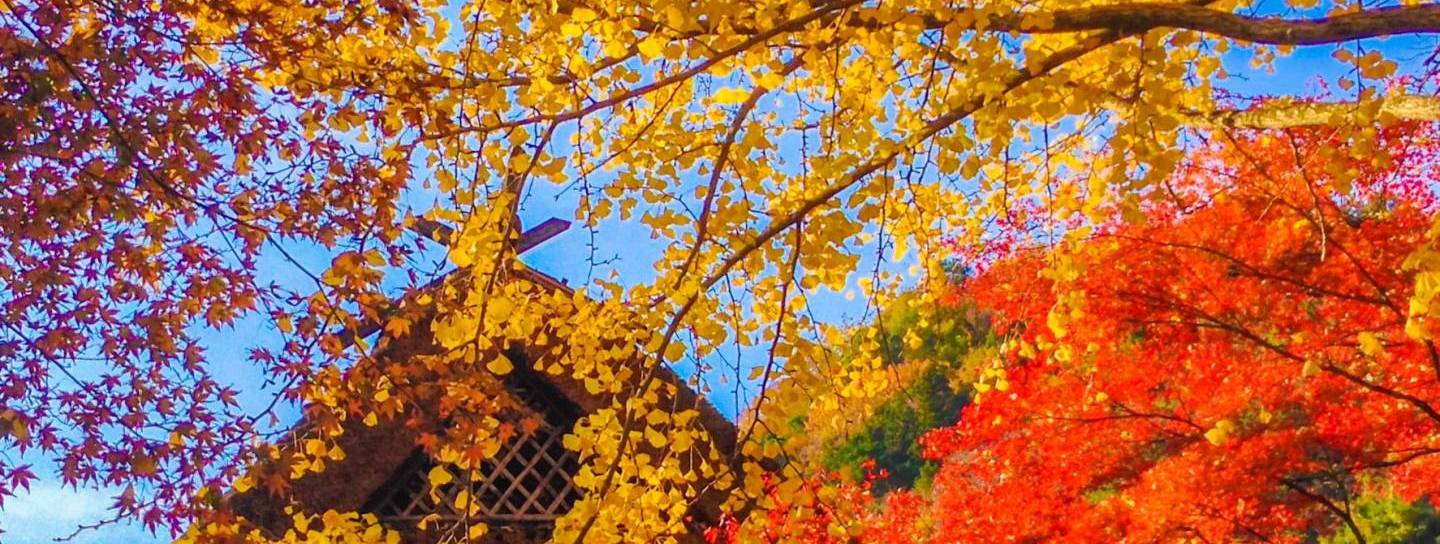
(374, 454)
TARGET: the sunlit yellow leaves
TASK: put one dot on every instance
(656, 438)
(1068, 310)
(1423, 307)
(499, 308)
(428, 520)
(316, 447)
(583, 15)
(730, 96)
(1057, 323)
(477, 530)
(1369, 344)
(244, 484)
(898, 132)
(652, 47)
(1221, 433)
(674, 352)
(500, 365)
(1371, 65)
(439, 476)
(330, 527)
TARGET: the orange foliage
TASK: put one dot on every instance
(1234, 367)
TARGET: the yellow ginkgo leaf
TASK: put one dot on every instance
(1369, 343)
(439, 476)
(674, 352)
(651, 47)
(243, 484)
(1217, 437)
(500, 365)
(1220, 434)
(730, 96)
(478, 530)
(655, 437)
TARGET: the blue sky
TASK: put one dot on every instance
(51, 510)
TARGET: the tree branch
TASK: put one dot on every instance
(1141, 17)
(1296, 114)
(1135, 18)
(1342, 513)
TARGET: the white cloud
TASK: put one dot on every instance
(50, 511)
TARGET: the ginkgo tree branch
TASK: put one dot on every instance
(959, 113)
(1141, 17)
(1145, 16)
(1300, 114)
(937, 125)
(702, 223)
(1125, 19)
(672, 79)
(1289, 113)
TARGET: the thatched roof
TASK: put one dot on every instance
(374, 453)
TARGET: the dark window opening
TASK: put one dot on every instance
(522, 489)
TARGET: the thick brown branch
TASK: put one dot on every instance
(1342, 513)
(1141, 17)
(672, 79)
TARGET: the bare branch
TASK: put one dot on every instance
(1342, 513)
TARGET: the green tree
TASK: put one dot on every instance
(938, 342)
(1388, 520)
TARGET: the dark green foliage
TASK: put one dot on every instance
(1391, 521)
(891, 435)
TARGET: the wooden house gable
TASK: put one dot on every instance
(520, 491)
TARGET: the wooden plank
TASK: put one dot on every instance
(532, 237)
(439, 232)
(551, 228)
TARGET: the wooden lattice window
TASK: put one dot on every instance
(525, 486)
